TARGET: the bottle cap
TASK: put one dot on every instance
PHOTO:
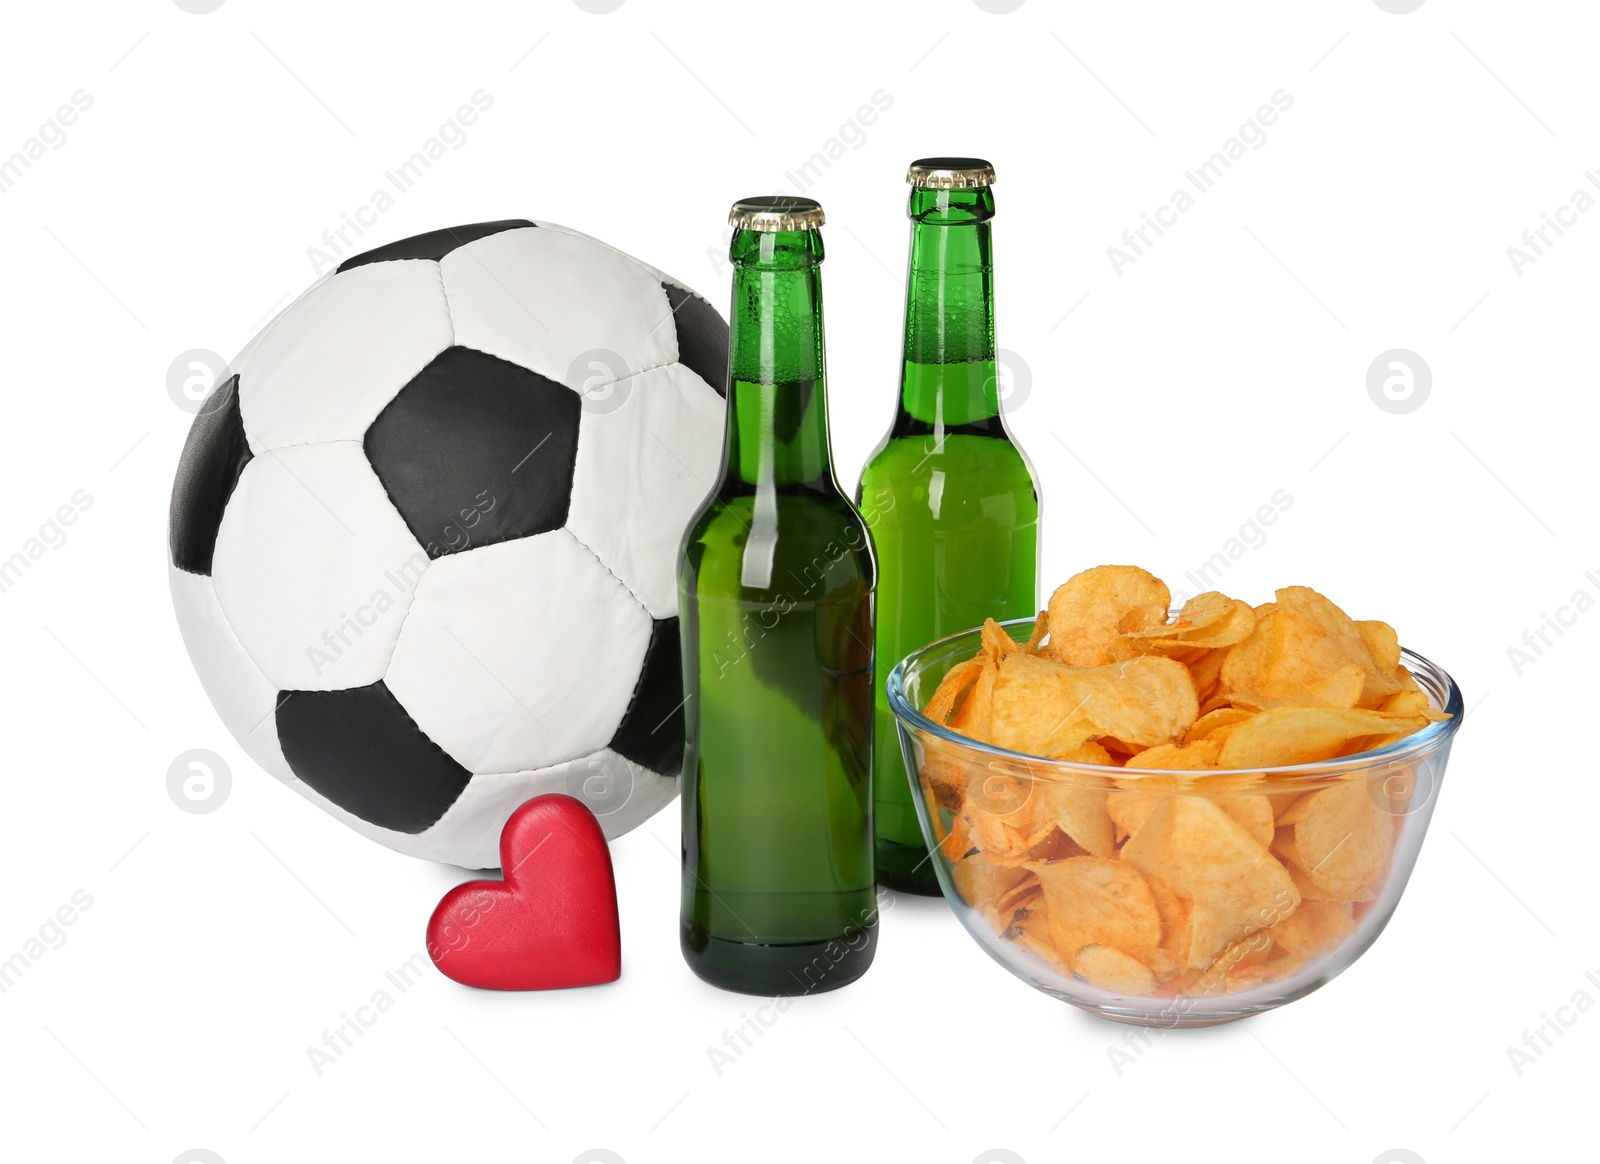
(950, 173)
(772, 212)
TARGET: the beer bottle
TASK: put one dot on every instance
(949, 496)
(775, 591)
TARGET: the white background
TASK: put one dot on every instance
(1166, 404)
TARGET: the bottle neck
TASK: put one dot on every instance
(949, 380)
(777, 431)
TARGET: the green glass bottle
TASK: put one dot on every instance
(776, 595)
(950, 498)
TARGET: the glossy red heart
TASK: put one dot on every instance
(551, 923)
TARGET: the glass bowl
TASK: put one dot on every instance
(1212, 922)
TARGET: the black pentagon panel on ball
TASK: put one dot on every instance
(651, 732)
(477, 450)
(436, 244)
(214, 455)
(360, 749)
(702, 336)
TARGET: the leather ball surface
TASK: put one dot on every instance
(424, 533)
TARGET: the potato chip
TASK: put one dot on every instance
(1078, 811)
(1030, 929)
(1287, 803)
(1041, 627)
(1141, 701)
(1203, 857)
(1056, 846)
(1249, 951)
(943, 700)
(1283, 848)
(996, 643)
(1254, 814)
(1111, 969)
(1213, 721)
(1047, 709)
(1206, 671)
(1019, 895)
(1301, 735)
(944, 770)
(981, 883)
(1317, 639)
(1090, 753)
(1004, 838)
(1342, 839)
(1089, 610)
(1183, 757)
(1096, 901)
(1282, 967)
(1129, 810)
(975, 716)
(1206, 620)
(1408, 703)
(1175, 913)
(1315, 928)
(1239, 967)
(1382, 644)
(1161, 963)
(1343, 688)
(1034, 711)
(998, 840)
(1246, 666)
(954, 842)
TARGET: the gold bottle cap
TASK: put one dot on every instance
(773, 212)
(950, 173)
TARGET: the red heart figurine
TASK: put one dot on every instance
(552, 922)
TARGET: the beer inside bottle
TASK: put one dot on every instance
(776, 592)
(949, 496)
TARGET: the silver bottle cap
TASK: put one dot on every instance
(773, 212)
(950, 173)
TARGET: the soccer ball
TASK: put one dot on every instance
(424, 533)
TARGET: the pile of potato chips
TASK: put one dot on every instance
(1191, 880)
